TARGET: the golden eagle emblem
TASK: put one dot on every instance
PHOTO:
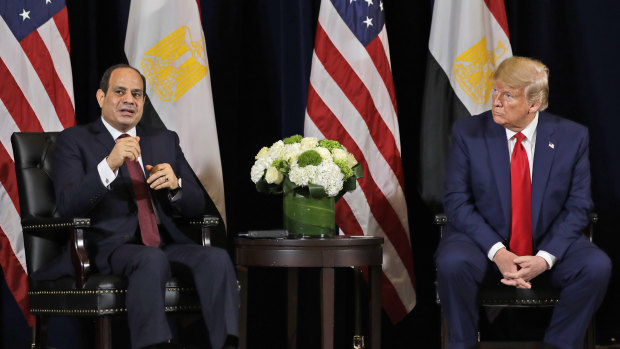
(175, 64)
(475, 67)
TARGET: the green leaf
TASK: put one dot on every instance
(263, 187)
(316, 191)
(358, 171)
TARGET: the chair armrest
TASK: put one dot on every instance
(204, 222)
(61, 229)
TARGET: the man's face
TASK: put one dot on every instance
(510, 107)
(121, 105)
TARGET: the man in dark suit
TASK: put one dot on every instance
(495, 223)
(93, 177)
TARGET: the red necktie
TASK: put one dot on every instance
(521, 201)
(146, 214)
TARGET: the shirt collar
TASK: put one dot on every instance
(529, 131)
(116, 133)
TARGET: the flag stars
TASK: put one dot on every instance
(381, 5)
(48, 2)
(351, 1)
(369, 2)
(25, 15)
(368, 22)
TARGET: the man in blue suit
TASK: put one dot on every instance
(92, 179)
(483, 219)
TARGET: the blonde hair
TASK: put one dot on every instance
(528, 74)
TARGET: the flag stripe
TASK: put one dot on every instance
(16, 103)
(7, 177)
(6, 131)
(351, 226)
(41, 60)
(380, 207)
(376, 51)
(356, 92)
(61, 21)
(498, 10)
(15, 277)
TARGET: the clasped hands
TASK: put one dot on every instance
(128, 148)
(518, 271)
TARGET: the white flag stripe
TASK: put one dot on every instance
(464, 33)
(60, 56)
(11, 226)
(356, 55)
(349, 117)
(393, 266)
(19, 65)
(8, 127)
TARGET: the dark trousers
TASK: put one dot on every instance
(148, 269)
(582, 275)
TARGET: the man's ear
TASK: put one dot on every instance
(534, 107)
(100, 96)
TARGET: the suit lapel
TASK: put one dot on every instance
(543, 159)
(497, 145)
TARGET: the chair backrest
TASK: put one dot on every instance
(34, 155)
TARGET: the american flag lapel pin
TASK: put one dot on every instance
(551, 145)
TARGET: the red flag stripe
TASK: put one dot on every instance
(498, 10)
(61, 20)
(381, 209)
(39, 56)
(16, 103)
(344, 216)
(15, 277)
(376, 52)
(7, 176)
(359, 96)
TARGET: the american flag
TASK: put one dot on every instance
(351, 99)
(36, 94)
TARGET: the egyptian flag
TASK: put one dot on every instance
(468, 40)
(165, 42)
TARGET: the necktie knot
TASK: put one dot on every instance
(519, 136)
(123, 135)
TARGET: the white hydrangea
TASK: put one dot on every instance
(329, 176)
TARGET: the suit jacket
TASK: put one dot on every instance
(113, 210)
(477, 185)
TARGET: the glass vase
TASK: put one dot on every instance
(308, 217)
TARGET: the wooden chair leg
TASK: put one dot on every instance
(444, 332)
(39, 335)
(104, 333)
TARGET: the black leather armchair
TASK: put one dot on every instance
(46, 234)
(494, 294)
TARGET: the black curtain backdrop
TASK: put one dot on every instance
(259, 54)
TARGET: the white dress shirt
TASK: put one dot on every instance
(529, 143)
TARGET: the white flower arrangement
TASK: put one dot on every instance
(311, 167)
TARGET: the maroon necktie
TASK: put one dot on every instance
(146, 214)
(521, 201)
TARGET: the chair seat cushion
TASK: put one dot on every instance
(102, 294)
(494, 293)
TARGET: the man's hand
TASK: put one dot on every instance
(529, 268)
(162, 176)
(125, 148)
(506, 262)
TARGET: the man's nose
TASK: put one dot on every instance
(128, 98)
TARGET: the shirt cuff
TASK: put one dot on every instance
(106, 174)
(551, 259)
(494, 250)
